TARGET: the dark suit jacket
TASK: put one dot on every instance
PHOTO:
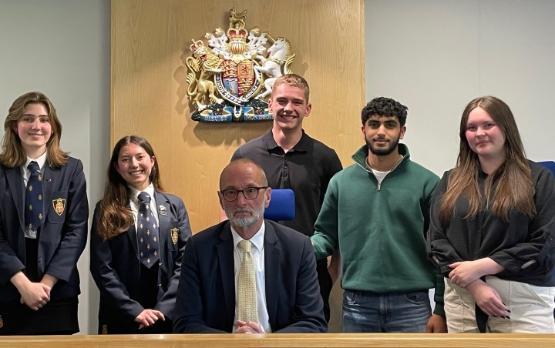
(63, 234)
(206, 295)
(115, 265)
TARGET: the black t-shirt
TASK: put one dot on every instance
(306, 169)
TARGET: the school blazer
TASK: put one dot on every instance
(63, 234)
(115, 264)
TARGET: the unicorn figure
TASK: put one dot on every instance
(275, 65)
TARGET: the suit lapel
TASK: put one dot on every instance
(49, 181)
(272, 271)
(164, 223)
(17, 191)
(226, 262)
(132, 236)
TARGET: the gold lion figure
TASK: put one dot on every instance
(237, 19)
(202, 66)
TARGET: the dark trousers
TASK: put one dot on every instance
(55, 318)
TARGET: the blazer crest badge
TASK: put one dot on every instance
(174, 233)
(230, 75)
(59, 205)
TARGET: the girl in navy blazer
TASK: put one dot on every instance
(137, 246)
(43, 222)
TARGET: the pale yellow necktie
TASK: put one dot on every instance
(246, 285)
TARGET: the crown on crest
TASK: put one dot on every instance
(196, 46)
(237, 34)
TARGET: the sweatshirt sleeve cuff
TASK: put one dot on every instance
(439, 310)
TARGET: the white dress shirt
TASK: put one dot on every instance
(41, 160)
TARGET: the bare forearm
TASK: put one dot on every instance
(20, 280)
(49, 280)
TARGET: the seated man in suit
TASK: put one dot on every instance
(247, 274)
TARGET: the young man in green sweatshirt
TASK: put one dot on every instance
(376, 212)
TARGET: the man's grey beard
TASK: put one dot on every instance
(245, 221)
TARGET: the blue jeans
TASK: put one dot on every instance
(365, 311)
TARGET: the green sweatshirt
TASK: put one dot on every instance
(380, 230)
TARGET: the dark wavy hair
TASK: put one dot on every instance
(115, 215)
(382, 106)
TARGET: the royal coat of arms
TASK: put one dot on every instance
(231, 76)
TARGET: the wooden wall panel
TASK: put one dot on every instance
(148, 92)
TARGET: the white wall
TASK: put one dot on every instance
(62, 48)
(436, 55)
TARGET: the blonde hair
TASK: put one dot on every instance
(295, 81)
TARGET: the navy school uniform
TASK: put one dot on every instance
(60, 242)
(126, 286)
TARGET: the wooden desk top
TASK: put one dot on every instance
(284, 340)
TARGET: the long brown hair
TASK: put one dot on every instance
(13, 155)
(115, 215)
(514, 188)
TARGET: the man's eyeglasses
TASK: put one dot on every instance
(249, 193)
